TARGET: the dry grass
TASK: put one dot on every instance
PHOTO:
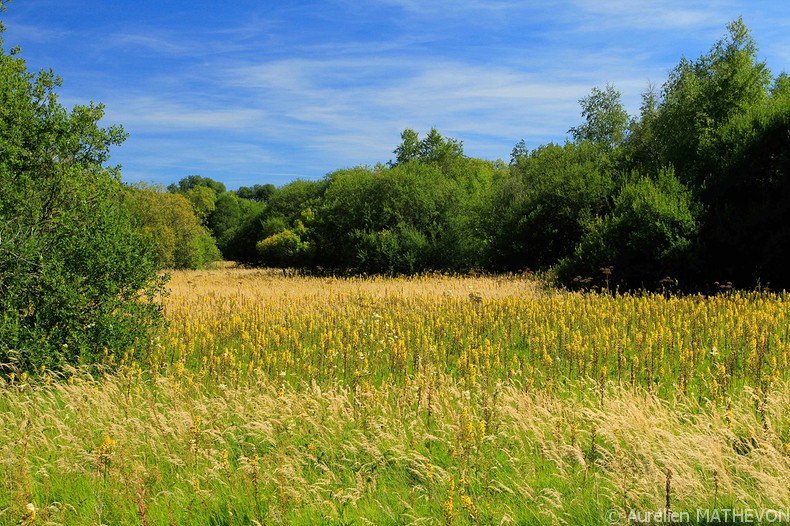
(444, 410)
(121, 448)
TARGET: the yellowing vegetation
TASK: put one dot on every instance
(435, 400)
(245, 326)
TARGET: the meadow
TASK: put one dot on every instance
(425, 400)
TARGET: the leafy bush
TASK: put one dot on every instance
(648, 236)
(399, 250)
(176, 232)
(538, 213)
(76, 276)
(286, 248)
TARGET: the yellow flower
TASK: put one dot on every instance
(30, 514)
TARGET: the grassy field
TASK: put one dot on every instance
(432, 400)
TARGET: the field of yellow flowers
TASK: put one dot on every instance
(427, 400)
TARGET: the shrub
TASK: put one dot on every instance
(76, 276)
(649, 235)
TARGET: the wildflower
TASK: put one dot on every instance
(449, 509)
(469, 506)
(30, 514)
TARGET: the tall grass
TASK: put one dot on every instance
(434, 400)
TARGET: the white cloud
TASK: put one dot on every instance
(273, 95)
(164, 115)
(649, 14)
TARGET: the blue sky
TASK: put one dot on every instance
(262, 92)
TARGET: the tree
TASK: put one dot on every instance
(225, 219)
(408, 149)
(204, 202)
(286, 248)
(649, 235)
(606, 122)
(747, 203)
(403, 219)
(258, 192)
(288, 201)
(642, 149)
(432, 149)
(170, 221)
(238, 242)
(520, 151)
(702, 95)
(539, 212)
(192, 181)
(76, 277)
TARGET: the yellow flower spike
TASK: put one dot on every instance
(30, 514)
(449, 509)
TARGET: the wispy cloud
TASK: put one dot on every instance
(648, 14)
(164, 115)
(351, 110)
(264, 92)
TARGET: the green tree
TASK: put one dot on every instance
(434, 148)
(408, 149)
(238, 242)
(204, 202)
(76, 276)
(289, 200)
(169, 220)
(649, 235)
(606, 121)
(538, 213)
(258, 192)
(192, 181)
(391, 220)
(642, 149)
(225, 219)
(702, 95)
(745, 234)
(286, 248)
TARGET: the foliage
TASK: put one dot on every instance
(748, 203)
(286, 248)
(649, 235)
(169, 220)
(693, 188)
(203, 201)
(403, 219)
(691, 191)
(540, 211)
(605, 119)
(433, 149)
(702, 95)
(238, 242)
(195, 181)
(225, 218)
(76, 277)
(257, 192)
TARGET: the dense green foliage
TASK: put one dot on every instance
(173, 223)
(692, 191)
(76, 276)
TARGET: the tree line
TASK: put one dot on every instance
(690, 193)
